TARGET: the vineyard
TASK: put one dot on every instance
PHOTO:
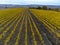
(21, 26)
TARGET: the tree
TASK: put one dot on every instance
(44, 7)
(39, 7)
(50, 8)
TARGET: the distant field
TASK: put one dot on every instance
(21, 26)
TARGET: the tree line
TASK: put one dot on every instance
(46, 8)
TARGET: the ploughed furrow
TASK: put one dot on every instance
(25, 28)
(8, 29)
(12, 33)
(40, 28)
(18, 37)
(37, 31)
(26, 33)
(49, 37)
(6, 21)
(7, 24)
(33, 35)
